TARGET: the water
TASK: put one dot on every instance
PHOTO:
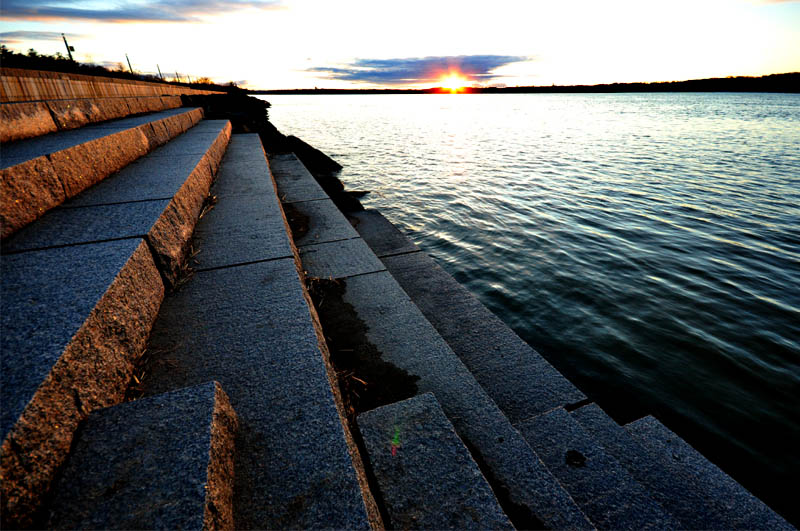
(648, 245)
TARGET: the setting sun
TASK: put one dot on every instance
(453, 82)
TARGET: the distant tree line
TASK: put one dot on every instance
(772, 83)
(32, 60)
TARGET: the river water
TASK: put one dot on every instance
(648, 245)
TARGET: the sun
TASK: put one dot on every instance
(453, 82)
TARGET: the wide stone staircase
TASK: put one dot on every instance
(195, 336)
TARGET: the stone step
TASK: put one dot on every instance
(80, 292)
(401, 336)
(723, 493)
(162, 462)
(22, 120)
(601, 487)
(159, 197)
(665, 479)
(74, 320)
(501, 361)
(243, 320)
(426, 476)
(40, 173)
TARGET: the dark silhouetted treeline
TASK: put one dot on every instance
(773, 83)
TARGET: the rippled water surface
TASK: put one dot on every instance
(648, 245)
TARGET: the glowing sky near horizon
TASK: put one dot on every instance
(274, 44)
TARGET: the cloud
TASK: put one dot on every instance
(14, 37)
(419, 69)
(128, 11)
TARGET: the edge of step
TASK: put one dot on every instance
(32, 187)
(161, 462)
(426, 476)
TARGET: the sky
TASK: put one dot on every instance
(279, 44)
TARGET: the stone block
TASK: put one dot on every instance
(162, 462)
(744, 510)
(28, 190)
(517, 378)
(71, 226)
(197, 143)
(247, 148)
(74, 113)
(246, 224)
(249, 328)
(294, 181)
(110, 109)
(339, 259)
(426, 476)
(74, 320)
(667, 484)
(24, 120)
(601, 487)
(323, 222)
(380, 234)
(171, 102)
(81, 166)
(405, 339)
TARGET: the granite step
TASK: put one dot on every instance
(80, 293)
(403, 338)
(40, 173)
(601, 487)
(426, 476)
(21, 120)
(243, 320)
(159, 197)
(665, 479)
(162, 462)
(727, 497)
(504, 364)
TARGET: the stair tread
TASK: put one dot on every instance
(162, 462)
(500, 360)
(16, 152)
(666, 483)
(248, 326)
(603, 488)
(426, 476)
(727, 496)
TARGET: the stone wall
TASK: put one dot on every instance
(31, 85)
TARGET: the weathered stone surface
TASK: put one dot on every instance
(664, 478)
(199, 142)
(426, 476)
(162, 462)
(294, 181)
(70, 226)
(81, 166)
(156, 176)
(325, 223)
(74, 319)
(407, 340)
(27, 191)
(246, 224)
(77, 159)
(600, 486)
(339, 259)
(517, 378)
(248, 147)
(135, 121)
(380, 234)
(171, 234)
(71, 114)
(249, 328)
(723, 492)
(24, 120)
(171, 102)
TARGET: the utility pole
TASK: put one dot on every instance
(177, 77)
(129, 63)
(159, 72)
(70, 49)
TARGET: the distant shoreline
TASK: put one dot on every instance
(785, 83)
